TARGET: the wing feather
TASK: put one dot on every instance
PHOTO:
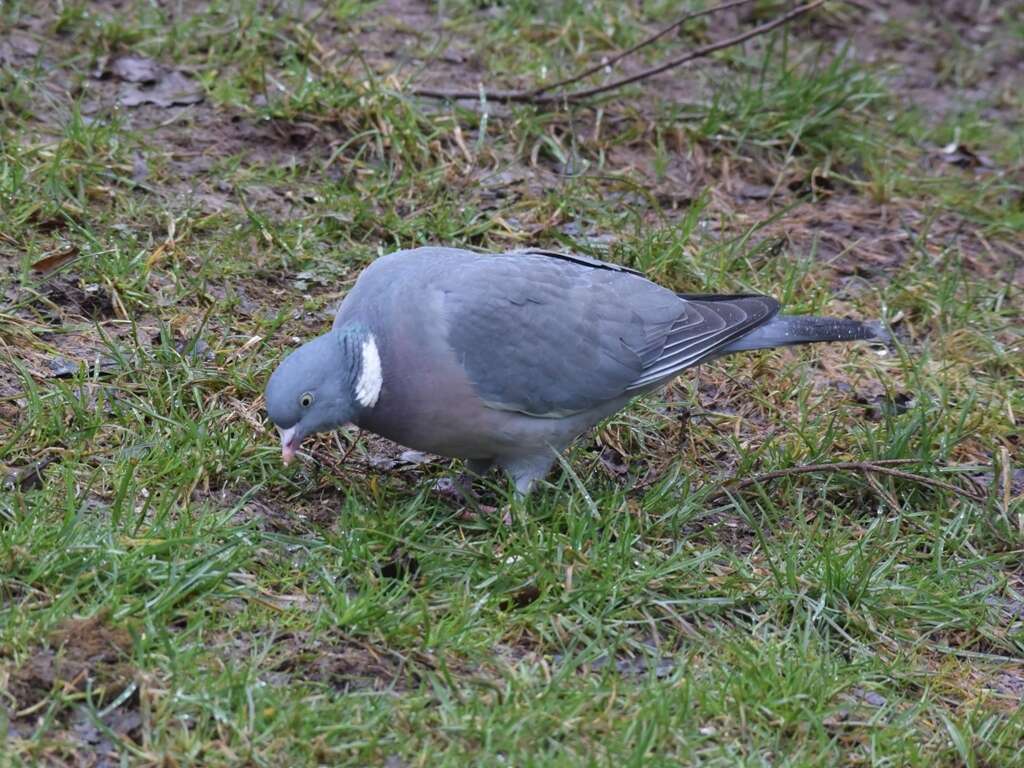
(708, 326)
(551, 335)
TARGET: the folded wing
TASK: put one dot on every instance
(551, 335)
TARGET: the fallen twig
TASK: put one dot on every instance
(345, 453)
(543, 95)
(880, 467)
(608, 63)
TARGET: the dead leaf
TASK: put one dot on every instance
(614, 461)
(124, 721)
(453, 56)
(963, 156)
(62, 368)
(135, 69)
(170, 89)
(102, 366)
(628, 666)
(520, 599)
(879, 406)
(380, 462)
(869, 697)
(400, 565)
(414, 457)
(55, 259)
(17, 47)
(91, 300)
(29, 477)
(86, 732)
(140, 168)
(745, 191)
(194, 349)
(1013, 482)
(304, 603)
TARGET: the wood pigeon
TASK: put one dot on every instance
(504, 359)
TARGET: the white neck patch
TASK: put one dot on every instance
(370, 376)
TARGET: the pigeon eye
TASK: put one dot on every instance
(306, 400)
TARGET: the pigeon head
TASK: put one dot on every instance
(323, 385)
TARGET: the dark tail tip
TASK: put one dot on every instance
(800, 329)
(787, 330)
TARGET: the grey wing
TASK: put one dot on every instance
(550, 336)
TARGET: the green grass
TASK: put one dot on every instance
(171, 594)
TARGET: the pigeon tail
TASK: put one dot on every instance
(787, 330)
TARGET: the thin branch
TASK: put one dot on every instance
(706, 50)
(864, 467)
(642, 44)
(353, 441)
(541, 96)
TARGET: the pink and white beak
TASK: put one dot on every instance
(289, 445)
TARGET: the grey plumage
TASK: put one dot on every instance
(505, 359)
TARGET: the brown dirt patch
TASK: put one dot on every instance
(342, 662)
(79, 654)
